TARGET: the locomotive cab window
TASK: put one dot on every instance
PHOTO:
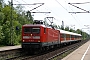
(27, 30)
(35, 30)
(31, 30)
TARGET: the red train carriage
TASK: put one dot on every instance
(39, 36)
(68, 37)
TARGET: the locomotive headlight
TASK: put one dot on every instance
(31, 34)
(23, 40)
(38, 40)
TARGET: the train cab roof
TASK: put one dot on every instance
(32, 25)
(35, 23)
(70, 33)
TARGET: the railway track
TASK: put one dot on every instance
(18, 54)
(9, 53)
(66, 50)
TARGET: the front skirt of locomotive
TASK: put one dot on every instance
(32, 45)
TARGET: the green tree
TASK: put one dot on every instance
(78, 31)
(1, 18)
(6, 33)
(58, 27)
(29, 15)
(62, 27)
(20, 18)
(55, 26)
(66, 28)
(1, 36)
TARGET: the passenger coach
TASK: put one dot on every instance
(68, 37)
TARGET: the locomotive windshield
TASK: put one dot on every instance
(31, 30)
(35, 30)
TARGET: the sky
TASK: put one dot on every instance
(59, 10)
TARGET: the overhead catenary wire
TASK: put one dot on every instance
(59, 4)
(66, 10)
(79, 8)
(35, 8)
(75, 15)
(31, 4)
(58, 20)
(28, 6)
(46, 7)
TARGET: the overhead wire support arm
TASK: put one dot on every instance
(40, 12)
(37, 7)
(24, 4)
(78, 7)
(29, 4)
(32, 4)
(81, 3)
(79, 12)
(50, 19)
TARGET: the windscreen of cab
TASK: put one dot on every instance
(31, 30)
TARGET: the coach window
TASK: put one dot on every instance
(71, 36)
(44, 30)
(63, 35)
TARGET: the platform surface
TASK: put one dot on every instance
(82, 53)
(9, 47)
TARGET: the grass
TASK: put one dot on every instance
(62, 56)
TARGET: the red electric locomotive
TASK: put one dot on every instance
(38, 36)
